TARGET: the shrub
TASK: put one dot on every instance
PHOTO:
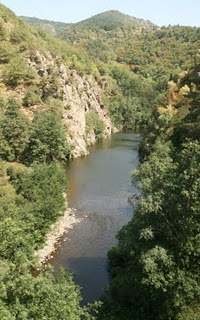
(94, 123)
(18, 35)
(31, 97)
(17, 72)
(6, 52)
(2, 32)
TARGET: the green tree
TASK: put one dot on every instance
(14, 129)
(46, 203)
(48, 138)
(154, 266)
(43, 296)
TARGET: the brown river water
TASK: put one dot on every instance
(100, 185)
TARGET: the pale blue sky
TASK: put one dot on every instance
(161, 12)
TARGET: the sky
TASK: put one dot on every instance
(160, 12)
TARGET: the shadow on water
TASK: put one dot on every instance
(92, 278)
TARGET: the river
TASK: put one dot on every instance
(99, 186)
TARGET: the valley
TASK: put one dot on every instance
(101, 116)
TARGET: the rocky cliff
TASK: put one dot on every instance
(35, 69)
(79, 94)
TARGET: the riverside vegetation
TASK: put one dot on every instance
(148, 78)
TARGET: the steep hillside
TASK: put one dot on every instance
(55, 28)
(111, 84)
(101, 34)
(111, 59)
(40, 73)
(148, 50)
(153, 52)
(107, 21)
(140, 57)
(162, 52)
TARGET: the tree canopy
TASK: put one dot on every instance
(154, 266)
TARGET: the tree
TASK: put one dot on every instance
(155, 264)
(47, 203)
(48, 139)
(42, 296)
(15, 129)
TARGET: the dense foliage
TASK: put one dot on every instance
(94, 123)
(132, 60)
(15, 130)
(131, 107)
(155, 264)
(140, 57)
(30, 201)
(42, 140)
(47, 139)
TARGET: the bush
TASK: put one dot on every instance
(17, 72)
(18, 35)
(2, 32)
(50, 86)
(31, 97)
(94, 123)
(6, 52)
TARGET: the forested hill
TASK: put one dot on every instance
(39, 70)
(114, 19)
(139, 56)
(55, 28)
(147, 49)
(107, 21)
(152, 51)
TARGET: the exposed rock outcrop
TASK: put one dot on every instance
(79, 94)
(34, 70)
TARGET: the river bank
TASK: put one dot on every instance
(66, 222)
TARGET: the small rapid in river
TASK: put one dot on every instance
(100, 185)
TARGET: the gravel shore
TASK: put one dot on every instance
(64, 223)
